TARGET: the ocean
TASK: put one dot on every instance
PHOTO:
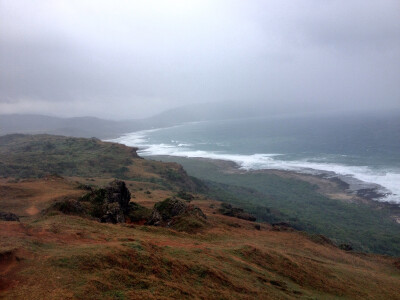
(362, 150)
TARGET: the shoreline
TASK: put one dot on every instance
(329, 185)
(336, 184)
(362, 180)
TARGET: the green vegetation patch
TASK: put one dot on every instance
(39, 155)
(275, 199)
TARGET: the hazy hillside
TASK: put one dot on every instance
(84, 126)
(79, 127)
(100, 128)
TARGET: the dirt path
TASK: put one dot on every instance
(28, 197)
(33, 210)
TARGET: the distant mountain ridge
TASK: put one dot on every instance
(101, 128)
(79, 126)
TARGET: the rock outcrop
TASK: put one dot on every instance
(116, 202)
(167, 212)
(110, 204)
(113, 213)
(117, 192)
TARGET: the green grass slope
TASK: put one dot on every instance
(273, 199)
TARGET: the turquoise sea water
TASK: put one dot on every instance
(364, 150)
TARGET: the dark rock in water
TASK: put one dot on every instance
(342, 184)
(119, 193)
(228, 210)
(7, 216)
(346, 247)
(370, 193)
(165, 211)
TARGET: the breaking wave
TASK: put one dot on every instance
(358, 177)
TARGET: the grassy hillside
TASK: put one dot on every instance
(56, 256)
(79, 126)
(51, 254)
(38, 155)
(273, 198)
(269, 197)
(35, 156)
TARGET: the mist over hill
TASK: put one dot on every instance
(88, 126)
(77, 126)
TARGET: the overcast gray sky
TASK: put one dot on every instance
(129, 59)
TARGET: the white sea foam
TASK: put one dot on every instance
(387, 182)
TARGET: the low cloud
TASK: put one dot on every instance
(118, 59)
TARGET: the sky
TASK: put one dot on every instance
(133, 59)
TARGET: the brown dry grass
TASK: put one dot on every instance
(28, 197)
(67, 257)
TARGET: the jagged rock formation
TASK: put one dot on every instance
(110, 204)
(117, 192)
(113, 213)
(117, 197)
